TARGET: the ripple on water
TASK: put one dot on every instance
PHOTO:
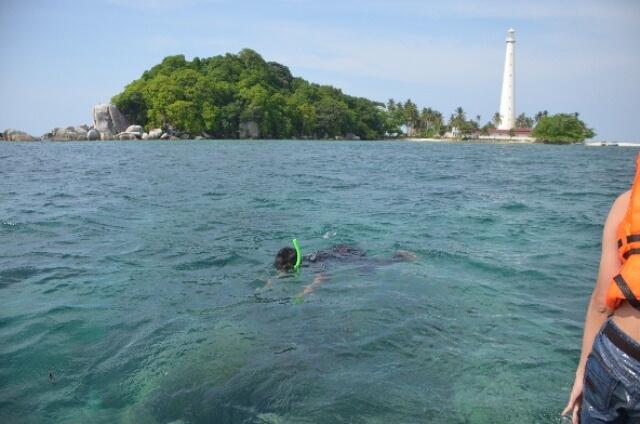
(144, 291)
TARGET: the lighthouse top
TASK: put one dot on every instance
(511, 36)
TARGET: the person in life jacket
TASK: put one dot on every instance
(606, 388)
(626, 284)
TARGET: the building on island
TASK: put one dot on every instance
(453, 134)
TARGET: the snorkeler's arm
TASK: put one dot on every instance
(317, 280)
(267, 286)
(597, 311)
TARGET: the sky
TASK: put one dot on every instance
(61, 57)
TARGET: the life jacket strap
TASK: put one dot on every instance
(630, 239)
(630, 252)
(626, 291)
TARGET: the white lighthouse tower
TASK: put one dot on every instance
(508, 97)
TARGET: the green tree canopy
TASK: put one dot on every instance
(562, 128)
(215, 95)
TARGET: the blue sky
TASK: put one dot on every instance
(61, 57)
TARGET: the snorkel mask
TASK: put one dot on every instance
(296, 246)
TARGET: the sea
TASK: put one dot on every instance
(137, 281)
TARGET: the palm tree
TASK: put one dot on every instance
(391, 105)
(438, 121)
(538, 116)
(497, 119)
(411, 117)
(431, 120)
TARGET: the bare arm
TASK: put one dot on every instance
(317, 280)
(597, 311)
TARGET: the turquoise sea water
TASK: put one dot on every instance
(132, 280)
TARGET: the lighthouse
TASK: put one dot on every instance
(508, 97)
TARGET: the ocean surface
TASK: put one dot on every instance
(133, 280)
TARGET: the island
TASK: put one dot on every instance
(244, 96)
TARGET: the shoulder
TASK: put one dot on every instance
(616, 214)
(622, 201)
(620, 205)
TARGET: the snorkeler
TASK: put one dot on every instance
(290, 259)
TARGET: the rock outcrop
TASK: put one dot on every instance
(249, 129)
(135, 129)
(16, 135)
(351, 136)
(109, 121)
(155, 134)
(93, 134)
(127, 136)
(67, 134)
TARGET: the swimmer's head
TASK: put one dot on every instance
(285, 259)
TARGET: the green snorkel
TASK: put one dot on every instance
(296, 246)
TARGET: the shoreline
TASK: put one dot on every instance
(407, 139)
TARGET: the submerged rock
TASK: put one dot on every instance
(108, 120)
(17, 135)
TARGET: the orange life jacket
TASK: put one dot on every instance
(626, 285)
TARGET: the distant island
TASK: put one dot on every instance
(243, 96)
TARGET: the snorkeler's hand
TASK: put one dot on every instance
(405, 255)
(575, 400)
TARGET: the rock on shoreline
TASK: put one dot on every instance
(16, 135)
(110, 124)
(109, 121)
(68, 134)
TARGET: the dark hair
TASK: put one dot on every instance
(285, 259)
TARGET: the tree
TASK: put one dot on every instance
(411, 117)
(523, 121)
(458, 120)
(430, 122)
(497, 119)
(217, 94)
(562, 128)
(132, 103)
(394, 117)
(540, 115)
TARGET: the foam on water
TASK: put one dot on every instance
(134, 274)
